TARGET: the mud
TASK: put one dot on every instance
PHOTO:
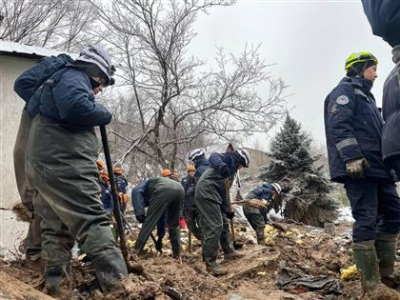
(306, 249)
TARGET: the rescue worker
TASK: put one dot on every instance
(161, 196)
(209, 196)
(25, 86)
(61, 166)
(190, 211)
(384, 17)
(257, 217)
(105, 194)
(200, 161)
(122, 186)
(353, 126)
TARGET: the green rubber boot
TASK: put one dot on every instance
(385, 245)
(366, 261)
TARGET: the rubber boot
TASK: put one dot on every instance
(54, 274)
(367, 264)
(233, 255)
(261, 238)
(110, 269)
(385, 245)
(174, 237)
(213, 268)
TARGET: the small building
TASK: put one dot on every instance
(14, 59)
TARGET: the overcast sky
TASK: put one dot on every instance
(308, 41)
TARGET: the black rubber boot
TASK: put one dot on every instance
(367, 264)
(385, 245)
(110, 269)
(54, 274)
(213, 268)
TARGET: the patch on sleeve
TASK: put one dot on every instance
(342, 100)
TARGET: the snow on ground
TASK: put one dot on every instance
(12, 232)
(345, 215)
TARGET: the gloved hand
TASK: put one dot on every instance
(230, 215)
(355, 168)
(159, 244)
(225, 172)
(141, 218)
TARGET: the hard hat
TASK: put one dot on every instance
(195, 154)
(245, 157)
(117, 171)
(100, 164)
(277, 188)
(359, 57)
(190, 168)
(99, 56)
(166, 173)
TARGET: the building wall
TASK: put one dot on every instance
(258, 159)
(10, 113)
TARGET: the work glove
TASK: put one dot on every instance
(159, 244)
(225, 172)
(355, 168)
(141, 218)
(230, 215)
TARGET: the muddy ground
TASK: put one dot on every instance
(299, 249)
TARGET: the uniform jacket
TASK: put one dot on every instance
(106, 197)
(201, 165)
(67, 98)
(384, 17)
(391, 115)
(223, 165)
(29, 81)
(353, 127)
(140, 200)
(122, 183)
(262, 192)
(188, 184)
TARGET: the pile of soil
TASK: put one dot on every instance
(304, 249)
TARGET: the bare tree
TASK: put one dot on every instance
(173, 102)
(58, 24)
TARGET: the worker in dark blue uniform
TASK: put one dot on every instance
(257, 217)
(384, 17)
(209, 198)
(353, 126)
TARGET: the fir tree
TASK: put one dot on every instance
(306, 191)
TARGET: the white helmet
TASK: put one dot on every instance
(245, 157)
(277, 188)
(98, 56)
(195, 154)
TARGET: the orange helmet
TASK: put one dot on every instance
(117, 171)
(104, 176)
(190, 168)
(100, 164)
(166, 173)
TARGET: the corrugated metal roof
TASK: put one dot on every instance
(20, 49)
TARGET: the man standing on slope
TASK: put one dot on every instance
(353, 126)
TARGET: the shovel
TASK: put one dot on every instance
(236, 245)
(117, 212)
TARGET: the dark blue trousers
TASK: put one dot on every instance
(375, 206)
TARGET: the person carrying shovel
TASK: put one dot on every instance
(257, 217)
(210, 198)
(61, 167)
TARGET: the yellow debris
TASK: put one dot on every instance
(269, 228)
(262, 273)
(299, 241)
(348, 273)
(130, 243)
